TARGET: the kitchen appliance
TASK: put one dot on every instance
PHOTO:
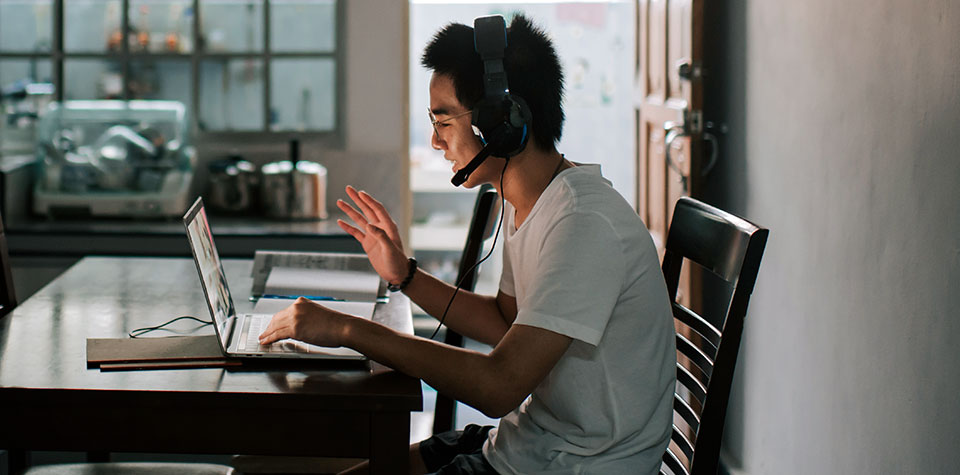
(294, 189)
(113, 159)
(20, 105)
(232, 186)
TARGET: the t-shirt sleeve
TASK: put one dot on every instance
(579, 279)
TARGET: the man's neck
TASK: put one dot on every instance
(527, 175)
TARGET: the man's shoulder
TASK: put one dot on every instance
(584, 187)
(585, 194)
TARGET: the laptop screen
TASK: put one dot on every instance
(212, 278)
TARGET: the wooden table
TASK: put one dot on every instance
(50, 400)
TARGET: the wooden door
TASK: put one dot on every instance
(669, 104)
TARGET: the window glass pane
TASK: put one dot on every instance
(26, 70)
(161, 26)
(231, 25)
(302, 94)
(92, 25)
(302, 25)
(160, 80)
(231, 94)
(92, 79)
(26, 25)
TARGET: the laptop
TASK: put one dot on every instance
(238, 334)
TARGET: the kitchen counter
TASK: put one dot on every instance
(235, 236)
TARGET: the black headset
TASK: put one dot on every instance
(500, 120)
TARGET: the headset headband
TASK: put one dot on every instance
(490, 41)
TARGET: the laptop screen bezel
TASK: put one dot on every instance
(222, 328)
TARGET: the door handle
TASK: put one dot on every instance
(712, 133)
(714, 152)
(673, 132)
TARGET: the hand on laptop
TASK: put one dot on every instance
(377, 233)
(308, 322)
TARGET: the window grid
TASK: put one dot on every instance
(125, 57)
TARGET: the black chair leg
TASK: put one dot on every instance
(98, 457)
(17, 461)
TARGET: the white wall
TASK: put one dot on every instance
(845, 142)
(377, 75)
(376, 94)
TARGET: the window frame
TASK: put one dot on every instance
(335, 136)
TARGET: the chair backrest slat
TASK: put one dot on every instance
(683, 409)
(675, 465)
(699, 324)
(682, 442)
(731, 248)
(710, 237)
(692, 383)
(688, 349)
(481, 228)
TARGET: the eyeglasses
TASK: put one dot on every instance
(435, 122)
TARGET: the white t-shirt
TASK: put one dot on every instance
(584, 265)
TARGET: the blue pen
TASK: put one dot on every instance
(294, 297)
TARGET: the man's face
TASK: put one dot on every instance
(454, 135)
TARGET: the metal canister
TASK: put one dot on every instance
(294, 190)
(232, 185)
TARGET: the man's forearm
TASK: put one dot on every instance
(471, 315)
(474, 382)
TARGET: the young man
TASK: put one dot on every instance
(582, 369)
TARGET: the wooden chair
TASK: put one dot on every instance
(8, 298)
(481, 228)
(731, 248)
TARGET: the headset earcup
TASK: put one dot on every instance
(504, 123)
(518, 120)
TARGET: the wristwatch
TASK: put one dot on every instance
(406, 281)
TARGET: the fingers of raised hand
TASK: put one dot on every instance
(351, 230)
(358, 218)
(375, 206)
(384, 220)
(373, 212)
(363, 204)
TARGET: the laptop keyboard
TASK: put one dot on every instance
(254, 326)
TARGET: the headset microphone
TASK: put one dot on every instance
(464, 173)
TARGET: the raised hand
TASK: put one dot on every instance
(377, 233)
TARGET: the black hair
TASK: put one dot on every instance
(532, 66)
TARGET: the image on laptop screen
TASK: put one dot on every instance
(211, 271)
